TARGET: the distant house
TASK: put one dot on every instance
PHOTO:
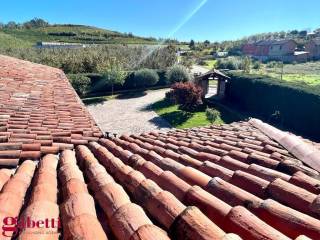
(220, 54)
(281, 50)
(184, 52)
(249, 49)
(60, 45)
(313, 47)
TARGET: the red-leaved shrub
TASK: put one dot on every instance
(187, 95)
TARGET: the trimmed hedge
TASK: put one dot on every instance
(298, 104)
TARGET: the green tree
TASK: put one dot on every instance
(35, 23)
(114, 74)
(187, 62)
(206, 43)
(246, 64)
(192, 44)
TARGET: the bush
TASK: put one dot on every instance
(178, 73)
(80, 83)
(299, 105)
(231, 63)
(212, 114)
(145, 77)
(187, 95)
(257, 65)
(62, 34)
(273, 64)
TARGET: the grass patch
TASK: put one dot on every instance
(182, 119)
(210, 64)
(307, 74)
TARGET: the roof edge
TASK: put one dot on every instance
(305, 152)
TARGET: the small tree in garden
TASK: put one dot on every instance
(187, 62)
(178, 73)
(145, 77)
(212, 114)
(187, 95)
(114, 74)
(246, 64)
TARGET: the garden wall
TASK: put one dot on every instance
(299, 105)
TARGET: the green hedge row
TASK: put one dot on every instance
(97, 84)
(298, 104)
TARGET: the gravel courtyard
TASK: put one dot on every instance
(129, 115)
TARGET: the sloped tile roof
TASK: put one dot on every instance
(39, 112)
(245, 180)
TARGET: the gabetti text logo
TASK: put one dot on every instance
(12, 226)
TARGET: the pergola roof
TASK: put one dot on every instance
(214, 73)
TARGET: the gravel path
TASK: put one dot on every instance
(129, 115)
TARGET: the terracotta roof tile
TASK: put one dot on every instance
(287, 220)
(250, 183)
(290, 195)
(43, 202)
(304, 181)
(214, 208)
(78, 208)
(249, 226)
(169, 181)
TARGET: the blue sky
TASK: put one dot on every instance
(214, 20)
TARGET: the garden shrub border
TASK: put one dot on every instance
(299, 105)
(98, 88)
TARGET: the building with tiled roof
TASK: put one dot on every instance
(313, 47)
(245, 180)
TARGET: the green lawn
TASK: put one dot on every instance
(210, 64)
(306, 73)
(182, 119)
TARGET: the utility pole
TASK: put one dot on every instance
(281, 70)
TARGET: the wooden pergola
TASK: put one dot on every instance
(214, 74)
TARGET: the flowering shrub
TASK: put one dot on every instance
(187, 95)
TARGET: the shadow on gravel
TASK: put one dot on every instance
(131, 95)
(160, 122)
(94, 101)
